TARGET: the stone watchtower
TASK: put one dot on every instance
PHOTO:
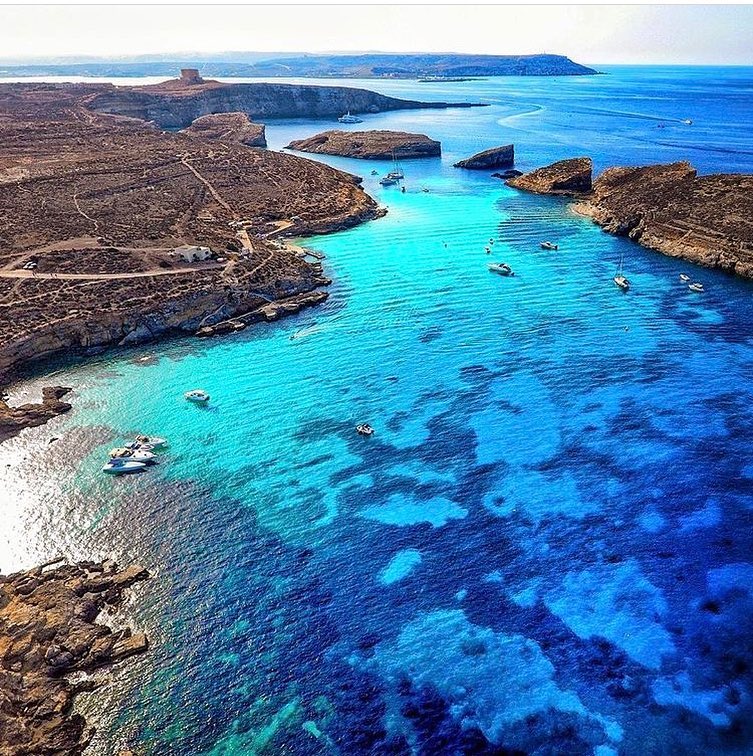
(190, 76)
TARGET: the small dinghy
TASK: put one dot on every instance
(364, 429)
(621, 282)
(696, 287)
(684, 278)
(375, 172)
(549, 245)
(122, 466)
(503, 269)
(137, 455)
(198, 396)
(155, 442)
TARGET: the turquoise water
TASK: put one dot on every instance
(545, 547)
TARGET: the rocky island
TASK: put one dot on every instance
(496, 157)
(707, 220)
(51, 641)
(369, 145)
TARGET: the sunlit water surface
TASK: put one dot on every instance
(547, 543)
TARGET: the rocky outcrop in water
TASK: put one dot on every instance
(235, 128)
(566, 177)
(50, 643)
(369, 145)
(177, 104)
(707, 220)
(15, 419)
(496, 157)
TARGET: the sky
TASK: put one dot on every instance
(683, 34)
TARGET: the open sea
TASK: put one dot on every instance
(545, 548)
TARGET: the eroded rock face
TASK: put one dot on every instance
(496, 157)
(568, 177)
(234, 128)
(369, 145)
(707, 220)
(48, 630)
(15, 419)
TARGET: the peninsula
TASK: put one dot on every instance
(51, 641)
(369, 145)
(114, 232)
(706, 220)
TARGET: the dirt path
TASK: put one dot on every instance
(208, 184)
(107, 276)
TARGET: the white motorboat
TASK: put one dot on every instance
(684, 278)
(697, 287)
(198, 396)
(364, 429)
(155, 442)
(502, 268)
(348, 118)
(387, 180)
(122, 466)
(137, 455)
(549, 245)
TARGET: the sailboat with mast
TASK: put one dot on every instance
(620, 279)
(397, 170)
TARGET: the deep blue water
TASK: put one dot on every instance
(546, 546)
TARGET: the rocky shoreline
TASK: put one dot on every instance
(707, 220)
(51, 643)
(14, 419)
(369, 145)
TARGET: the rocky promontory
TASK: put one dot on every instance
(235, 128)
(491, 159)
(566, 177)
(179, 102)
(51, 641)
(707, 220)
(15, 419)
(369, 145)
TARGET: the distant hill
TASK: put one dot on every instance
(366, 65)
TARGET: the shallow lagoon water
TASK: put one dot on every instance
(546, 544)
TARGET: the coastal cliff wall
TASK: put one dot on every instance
(178, 108)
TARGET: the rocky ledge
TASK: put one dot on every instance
(15, 419)
(569, 177)
(236, 128)
(707, 220)
(496, 157)
(50, 643)
(369, 145)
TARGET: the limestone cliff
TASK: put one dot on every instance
(369, 145)
(235, 128)
(15, 419)
(177, 107)
(496, 157)
(49, 632)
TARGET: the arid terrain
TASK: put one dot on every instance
(97, 206)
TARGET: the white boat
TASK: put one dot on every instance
(348, 118)
(137, 455)
(364, 429)
(688, 122)
(696, 287)
(620, 281)
(397, 170)
(198, 396)
(684, 278)
(122, 466)
(502, 268)
(387, 180)
(549, 245)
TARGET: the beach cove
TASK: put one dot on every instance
(539, 494)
